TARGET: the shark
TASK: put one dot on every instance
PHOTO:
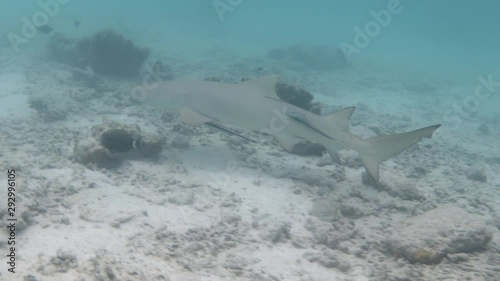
(254, 105)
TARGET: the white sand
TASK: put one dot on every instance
(217, 211)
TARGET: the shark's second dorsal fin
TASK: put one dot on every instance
(265, 85)
(341, 117)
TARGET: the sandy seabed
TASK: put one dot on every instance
(216, 207)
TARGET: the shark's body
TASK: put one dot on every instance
(254, 105)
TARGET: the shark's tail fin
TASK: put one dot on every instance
(377, 149)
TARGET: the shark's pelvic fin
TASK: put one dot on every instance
(376, 150)
(334, 153)
(287, 141)
(265, 85)
(341, 118)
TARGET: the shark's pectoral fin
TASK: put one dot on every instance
(287, 141)
(191, 117)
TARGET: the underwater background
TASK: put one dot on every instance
(204, 205)
(453, 39)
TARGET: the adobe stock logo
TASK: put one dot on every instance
(222, 179)
(223, 6)
(49, 9)
(470, 104)
(372, 29)
(453, 117)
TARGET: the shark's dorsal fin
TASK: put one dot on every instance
(265, 85)
(341, 117)
(191, 117)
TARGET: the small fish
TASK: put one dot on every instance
(44, 28)
(76, 23)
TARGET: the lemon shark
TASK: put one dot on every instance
(254, 105)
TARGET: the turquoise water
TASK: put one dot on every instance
(452, 39)
(451, 35)
(410, 64)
